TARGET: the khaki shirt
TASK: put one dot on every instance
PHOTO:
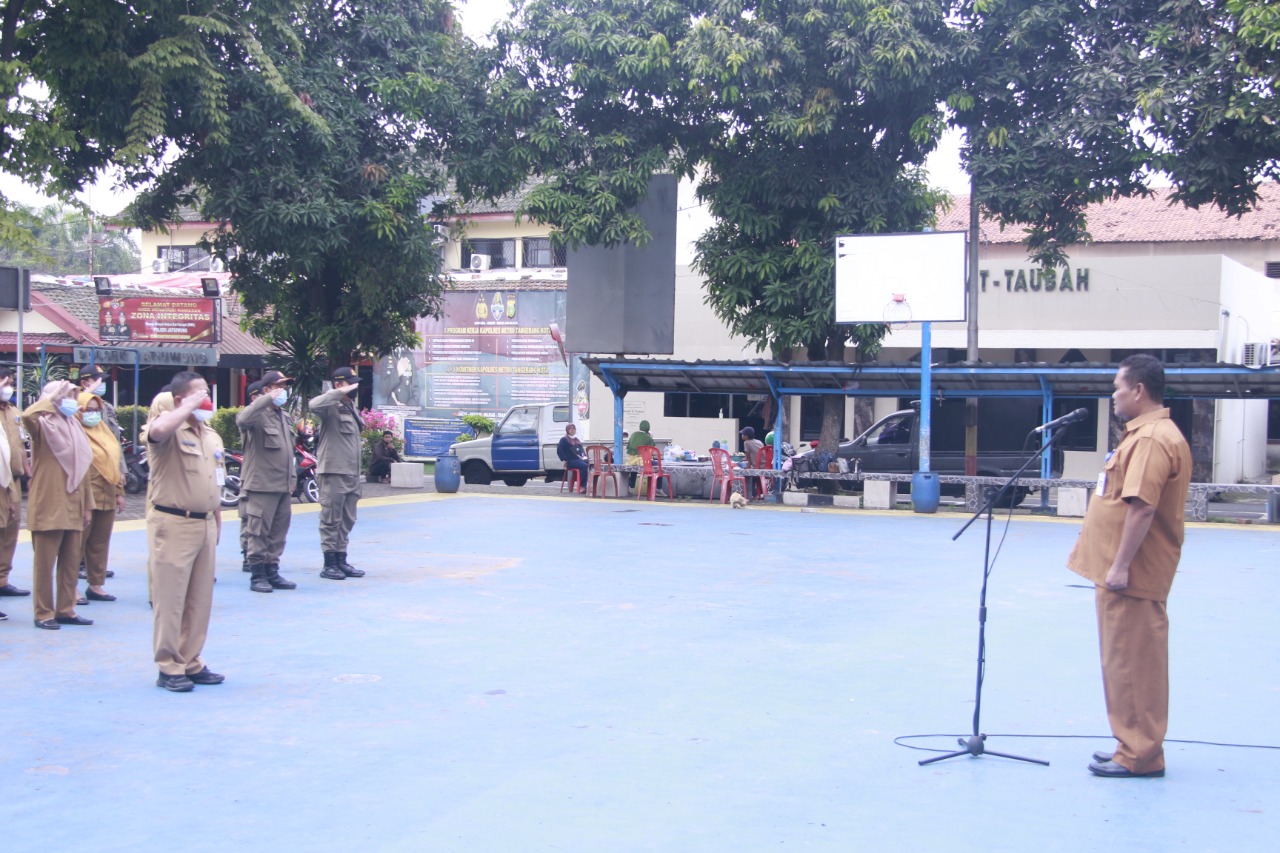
(10, 423)
(1152, 463)
(49, 505)
(102, 494)
(268, 447)
(184, 468)
(338, 449)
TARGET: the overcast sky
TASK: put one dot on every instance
(477, 18)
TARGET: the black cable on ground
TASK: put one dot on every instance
(898, 741)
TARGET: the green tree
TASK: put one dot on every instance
(326, 235)
(68, 241)
(803, 120)
(1067, 102)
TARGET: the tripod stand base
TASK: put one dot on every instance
(977, 746)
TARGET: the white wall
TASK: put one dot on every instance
(1246, 313)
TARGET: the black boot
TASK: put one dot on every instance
(348, 569)
(277, 582)
(259, 583)
(332, 571)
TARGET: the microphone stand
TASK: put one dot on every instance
(975, 744)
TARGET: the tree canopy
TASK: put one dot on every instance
(68, 241)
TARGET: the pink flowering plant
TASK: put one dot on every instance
(374, 423)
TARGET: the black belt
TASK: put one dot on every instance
(185, 513)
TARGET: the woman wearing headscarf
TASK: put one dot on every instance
(106, 488)
(58, 502)
(639, 438)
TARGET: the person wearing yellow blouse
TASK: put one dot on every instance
(106, 485)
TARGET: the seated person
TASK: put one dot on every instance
(384, 453)
(639, 438)
(573, 455)
(752, 446)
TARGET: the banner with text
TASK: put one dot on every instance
(161, 318)
(488, 351)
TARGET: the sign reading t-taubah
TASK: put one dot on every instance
(489, 350)
(160, 318)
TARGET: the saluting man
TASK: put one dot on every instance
(13, 465)
(184, 522)
(338, 468)
(266, 482)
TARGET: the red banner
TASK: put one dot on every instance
(160, 318)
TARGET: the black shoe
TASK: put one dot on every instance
(276, 581)
(11, 590)
(81, 601)
(1111, 770)
(98, 596)
(48, 625)
(4, 617)
(205, 676)
(175, 683)
(332, 571)
(72, 620)
(259, 583)
(1103, 757)
(348, 569)
(110, 573)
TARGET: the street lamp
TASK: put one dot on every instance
(210, 286)
(102, 285)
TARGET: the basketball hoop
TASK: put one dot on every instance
(897, 312)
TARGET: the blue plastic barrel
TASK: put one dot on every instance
(925, 491)
(449, 474)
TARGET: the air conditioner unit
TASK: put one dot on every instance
(160, 265)
(217, 265)
(479, 263)
(1256, 354)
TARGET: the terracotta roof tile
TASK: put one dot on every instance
(1145, 220)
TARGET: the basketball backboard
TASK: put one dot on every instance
(900, 278)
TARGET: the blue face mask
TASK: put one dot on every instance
(68, 406)
(281, 397)
(92, 419)
(99, 389)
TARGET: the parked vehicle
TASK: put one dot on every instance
(892, 444)
(523, 446)
(232, 461)
(306, 488)
(137, 469)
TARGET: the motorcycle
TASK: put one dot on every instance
(232, 461)
(137, 469)
(307, 488)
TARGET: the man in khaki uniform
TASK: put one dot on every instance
(1129, 547)
(13, 466)
(252, 392)
(266, 481)
(93, 380)
(338, 467)
(184, 522)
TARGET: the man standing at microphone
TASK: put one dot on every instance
(1129, 547)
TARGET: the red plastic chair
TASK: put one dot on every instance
(724, 474)
(652, 474)
(573, 478)
(601, 473)
(764, 460)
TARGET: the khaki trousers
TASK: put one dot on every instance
(1133, 634)
(8, 544)
(97, 545)
(50, 547)
(265, 518)
(182, 553)
(339, 494)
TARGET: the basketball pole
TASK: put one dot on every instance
(924, 491)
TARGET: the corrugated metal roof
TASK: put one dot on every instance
(1094, 379)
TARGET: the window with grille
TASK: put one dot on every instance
(184, 258)
(502, 253)
(540, 252)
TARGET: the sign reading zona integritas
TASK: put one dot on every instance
(145, 318)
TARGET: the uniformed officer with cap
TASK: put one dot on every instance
(251, 393)
(266, 481)
(338, 470)
(184, 521)
(93, 379)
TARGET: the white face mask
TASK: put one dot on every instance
(6, 393)
(203, 415)
(281, 397)
(92, 419)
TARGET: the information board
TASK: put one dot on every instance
(427, 438)
(161, 318)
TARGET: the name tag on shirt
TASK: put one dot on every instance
(220, 476)
(1101, 490)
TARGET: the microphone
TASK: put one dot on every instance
(1069, 418)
